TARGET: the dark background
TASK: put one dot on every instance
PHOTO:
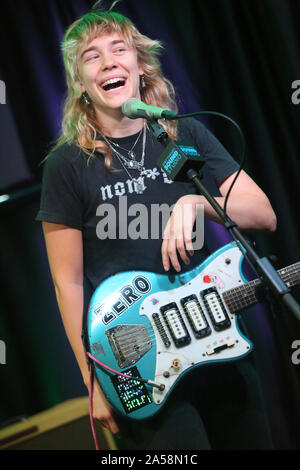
(238, 57)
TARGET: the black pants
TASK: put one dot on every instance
(215, 407)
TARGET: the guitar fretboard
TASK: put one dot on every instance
(244, 296)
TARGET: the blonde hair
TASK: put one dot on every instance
(79, 124)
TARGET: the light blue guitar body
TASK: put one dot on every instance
(142, 324)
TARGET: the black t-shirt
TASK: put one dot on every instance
(75, 192)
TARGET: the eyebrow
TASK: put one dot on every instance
(93, 48)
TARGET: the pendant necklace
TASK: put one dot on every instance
(131, 164)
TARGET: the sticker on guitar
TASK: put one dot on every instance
(122, 299)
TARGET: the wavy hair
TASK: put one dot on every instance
(79, 124)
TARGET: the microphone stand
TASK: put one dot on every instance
(180, 167)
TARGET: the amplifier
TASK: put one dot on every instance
(64, 427)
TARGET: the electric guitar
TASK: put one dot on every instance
(154, 328)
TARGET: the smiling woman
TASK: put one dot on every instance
(83, 52)
(103, 155)
(110, 74)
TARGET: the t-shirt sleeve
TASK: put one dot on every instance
(220, 163)
(61, 201)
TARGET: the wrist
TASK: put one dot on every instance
(86, 381)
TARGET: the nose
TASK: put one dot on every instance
(108, 61)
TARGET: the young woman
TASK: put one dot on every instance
(103, 156)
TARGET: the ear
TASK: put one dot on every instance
(79, 83)
(83, 89)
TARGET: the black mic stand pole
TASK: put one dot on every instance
(182, 168)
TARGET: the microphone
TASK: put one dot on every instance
(134, 109)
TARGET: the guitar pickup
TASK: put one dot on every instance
(175, 324)
(220, 348)
(195, 316)
(215, 308)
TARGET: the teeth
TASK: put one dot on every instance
(112, 80)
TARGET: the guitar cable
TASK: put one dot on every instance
(91, 389)
(161, 387)
(91, 394)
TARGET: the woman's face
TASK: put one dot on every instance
(109, 73)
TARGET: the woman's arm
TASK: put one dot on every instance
(247, 206)
(65, 255)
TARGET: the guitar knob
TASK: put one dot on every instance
(176, 364)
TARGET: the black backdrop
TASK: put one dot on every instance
(238, 57)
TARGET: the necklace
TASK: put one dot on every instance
(129, 163)
(130, 152)
(132, 164)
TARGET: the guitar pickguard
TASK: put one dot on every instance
(207, 331)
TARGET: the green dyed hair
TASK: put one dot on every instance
(79, 124)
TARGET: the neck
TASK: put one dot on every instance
(115, 124)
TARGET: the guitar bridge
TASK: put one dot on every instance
(128, 343)
(161, 330)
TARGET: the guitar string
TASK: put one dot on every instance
(230, 302)
(290, 273)
(151, 331)
(152, 335)
(127, 349)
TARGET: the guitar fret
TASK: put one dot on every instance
(290, 274)
(240, 303)
(245, 295)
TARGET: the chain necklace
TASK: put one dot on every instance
(130, 152)
(132, 164)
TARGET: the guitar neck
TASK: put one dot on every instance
(244, 296)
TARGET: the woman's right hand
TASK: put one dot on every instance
(102, 410)
(65, 254)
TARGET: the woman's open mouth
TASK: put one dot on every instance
(113, 84)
